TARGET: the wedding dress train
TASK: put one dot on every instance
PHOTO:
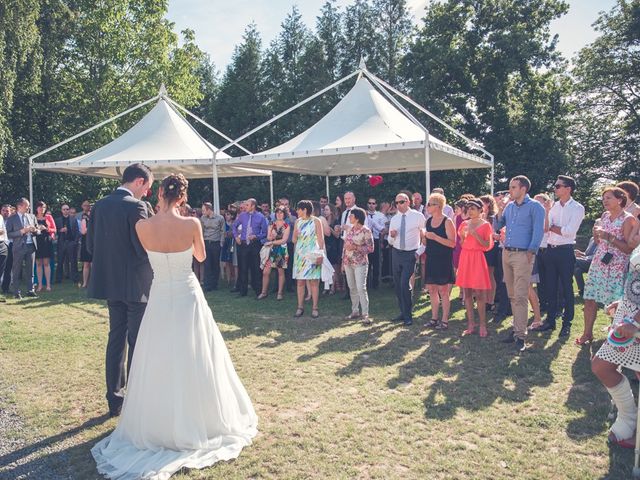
(185, 405)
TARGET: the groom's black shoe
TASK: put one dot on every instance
(32, 294)
(115, 412)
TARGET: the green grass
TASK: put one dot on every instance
(335, 399)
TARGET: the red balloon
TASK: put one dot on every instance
(375, 180)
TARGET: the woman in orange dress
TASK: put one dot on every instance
(473, 272)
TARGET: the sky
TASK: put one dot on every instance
(219, 24)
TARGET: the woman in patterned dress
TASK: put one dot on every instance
(605, 282)
(277, 238)
(307, 261)
(624, 351)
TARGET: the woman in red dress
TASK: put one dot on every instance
(473, 272)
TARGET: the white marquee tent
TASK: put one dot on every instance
(163, 140)
(367, 132)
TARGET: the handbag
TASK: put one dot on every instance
(265, 251)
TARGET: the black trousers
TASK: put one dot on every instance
(373, 277)
(249, 267)
(6, 271)
(212, 265)
(582, 267)
(385, 259)
(124, 323)
(404, 263)
(67, 260)
(559, 264)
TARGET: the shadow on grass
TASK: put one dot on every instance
(58, 462)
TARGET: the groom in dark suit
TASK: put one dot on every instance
(120, 272)
(22, 231)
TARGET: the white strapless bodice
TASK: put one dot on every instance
(171, 267)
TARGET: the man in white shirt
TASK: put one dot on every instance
(405, 231)
(376, 223)
(559, 259)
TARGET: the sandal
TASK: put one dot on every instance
(442, 325)
(366, 320)
(262, 295)
(299, 312)
(352, 316)
(584, 339)
(315, 313)
(280, 296)
(433, 323)
(483, 332)
(469, 331)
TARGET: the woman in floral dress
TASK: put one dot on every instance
(308, 238)
(278, 256)
(605, 281)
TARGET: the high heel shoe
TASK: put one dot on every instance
(584, 339)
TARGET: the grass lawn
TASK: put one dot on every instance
(335, 399)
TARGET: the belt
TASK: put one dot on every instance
(515, 249)
(405, 251)
(560, 246)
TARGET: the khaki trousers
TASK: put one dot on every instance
(517, 276)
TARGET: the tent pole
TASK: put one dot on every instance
(216, 186)
(493, 174)
(31, 182)
(427, 168)
(326, 179)
(271, 189)
(84, 132)
(282, 114)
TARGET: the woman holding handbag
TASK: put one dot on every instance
(308, 238)
(278, 257)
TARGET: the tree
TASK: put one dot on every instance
(491, 68)
(395, 29)
(606, 120)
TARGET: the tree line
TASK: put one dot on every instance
(490, 68)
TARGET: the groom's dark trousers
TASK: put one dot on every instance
(124, 323)
(121, 275)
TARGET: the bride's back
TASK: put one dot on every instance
(168, 233)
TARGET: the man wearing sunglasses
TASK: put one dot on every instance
(559, 258)
(405, 231)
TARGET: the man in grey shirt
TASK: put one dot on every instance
(213, 232)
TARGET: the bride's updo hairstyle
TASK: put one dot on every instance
(174, 188)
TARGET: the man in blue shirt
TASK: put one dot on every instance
(524, 222)
(249, 232)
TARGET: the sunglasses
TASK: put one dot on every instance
(432, 204)
(400, 202)
(558, 185)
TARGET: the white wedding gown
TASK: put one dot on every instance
(185, 405)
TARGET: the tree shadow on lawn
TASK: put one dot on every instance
(60, 462)
(470, 373)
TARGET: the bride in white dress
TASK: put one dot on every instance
(185, 406)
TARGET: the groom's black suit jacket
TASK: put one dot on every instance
(120, 268)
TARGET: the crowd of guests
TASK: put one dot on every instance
(507, 253)
(34, 247)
